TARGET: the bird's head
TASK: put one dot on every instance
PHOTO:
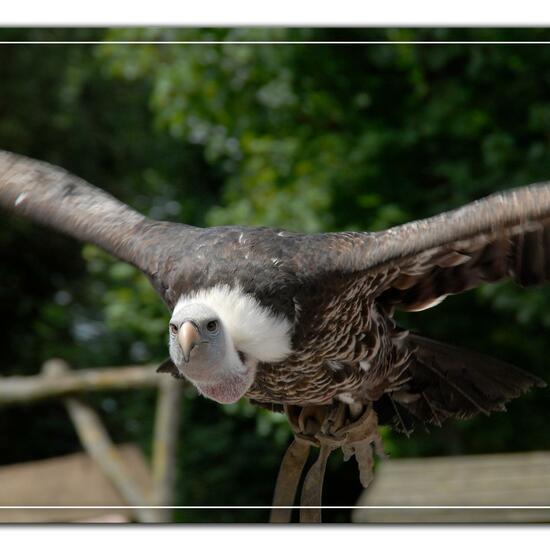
(219, 336)
(203, 351)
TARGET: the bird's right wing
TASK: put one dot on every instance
(51, 196)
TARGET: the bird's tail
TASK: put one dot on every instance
(446, 381)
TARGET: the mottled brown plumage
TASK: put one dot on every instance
(339, 290)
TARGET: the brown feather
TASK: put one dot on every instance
(453, 382)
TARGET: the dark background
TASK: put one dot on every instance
(305, 137)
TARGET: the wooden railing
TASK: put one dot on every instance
(58, 381)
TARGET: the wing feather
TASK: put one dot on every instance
(52, 196)
(506, 235)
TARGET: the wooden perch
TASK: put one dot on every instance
(98, 444)
(57, 381)
(165, 442)
(22, 389)
(65, 481)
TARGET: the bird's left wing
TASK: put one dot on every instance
(505, 235)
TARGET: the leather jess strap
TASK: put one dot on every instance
(327, 427)
(289, 476)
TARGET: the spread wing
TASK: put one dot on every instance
(51, 196)
(506, 235)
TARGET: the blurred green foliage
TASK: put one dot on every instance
(305, 137)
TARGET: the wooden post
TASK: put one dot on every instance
(98, 444)
(165, 442)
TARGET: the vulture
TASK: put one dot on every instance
(303, 323)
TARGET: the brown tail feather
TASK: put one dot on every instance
(452, 382)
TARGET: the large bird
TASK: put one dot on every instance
(294, 320)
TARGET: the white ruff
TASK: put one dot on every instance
(254, 329)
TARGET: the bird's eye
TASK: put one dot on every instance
(173, 329)
(212, 326)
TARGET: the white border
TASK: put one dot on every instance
(305, 13)
(324, 537)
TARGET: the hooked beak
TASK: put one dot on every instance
(188, 338)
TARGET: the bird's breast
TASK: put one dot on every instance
(342, 342)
